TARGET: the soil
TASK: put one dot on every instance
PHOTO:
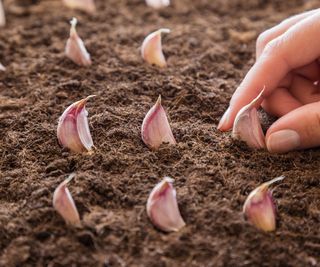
(209, 50)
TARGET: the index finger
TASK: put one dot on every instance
(295, 48)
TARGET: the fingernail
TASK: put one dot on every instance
(283, 141)
(224, 119)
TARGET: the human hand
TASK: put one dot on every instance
(287, 65)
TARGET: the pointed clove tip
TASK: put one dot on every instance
(168, 179)
(70, 177)
(90, 96)
(81, 103)
(73, 21)
(158, 103)
(73, 31)
(164, 30)
(259, 207)
(277, 179)
(258, 100)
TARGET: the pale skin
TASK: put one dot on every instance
(288, 66)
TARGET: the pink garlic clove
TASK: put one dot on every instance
(83, 5)
(151, 49)
(162, 207)
(73, 129)
(259, 207)
(247, 126)
(158, 3)
(155, 128)
(75, 49)
(2, 15)
(64, 204)
(2, 68)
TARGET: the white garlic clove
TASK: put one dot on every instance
(64, 204)
(84, 5)
(155, 129)
(151, 49)
(2, 68)
(73, 130)
(247, 126)
(158, 3)
(2, 15)
(259, 207)
(162, 207)
(75, 49)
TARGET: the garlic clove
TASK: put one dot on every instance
(64, 204)
(75, 49)
(155, 128)
(158, 3)
(162, 207)
(2, 68)
(84, 5)
(247, 126)
(2, 15)
(259, 207)
(151, 49)
(73, 130)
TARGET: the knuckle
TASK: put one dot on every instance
(263, 39)
(316, 124)
(313, 129)
(272, 47)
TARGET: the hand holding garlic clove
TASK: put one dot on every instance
(284, 71)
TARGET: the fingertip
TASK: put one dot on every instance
(224, 124)
(283, 141)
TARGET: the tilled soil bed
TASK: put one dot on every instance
(210, 48)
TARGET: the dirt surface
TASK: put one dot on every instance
(209, 50)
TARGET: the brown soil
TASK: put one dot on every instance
(209, 51)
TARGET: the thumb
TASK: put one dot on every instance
(297, 129)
